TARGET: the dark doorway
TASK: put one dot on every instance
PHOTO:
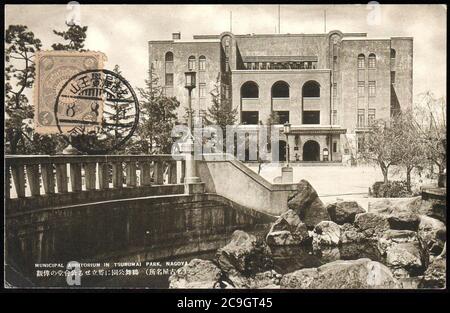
(282, 150)
(311, 151)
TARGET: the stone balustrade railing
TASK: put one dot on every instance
(49, 176)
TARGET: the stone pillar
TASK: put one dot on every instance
(287, 175)
(192, 183)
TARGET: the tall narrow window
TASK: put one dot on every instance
(202, 90)
(334, 63)
(372, 61)
(169, 79)
(191, 63)
(361, 61)
(334, 90)
(371, 116)
(361, 89)
(202, 63)
(372, 89)
(361, 120)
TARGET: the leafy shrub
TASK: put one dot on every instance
(393, 189)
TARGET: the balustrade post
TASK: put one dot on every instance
(75, 176)
(61, 177)
(48, 179)
(172, 172)
(159, 172)
(7, 182)
(117, 175)
(103, 175)
(19, 179)
(33, 179)
(89, 172)
(131, 174)
(145, 174)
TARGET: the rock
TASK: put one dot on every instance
(405, 259)
(196, 274)
(404, 220)
(326, 233)
(432, 233)
(280, 238)
(300, 279)
(263, 280)
(371, 224)
(350, 274)
(245, 254)
(357, 250)
(410, 282)
(344, 211)
(350, 234)
(328, 254)
(399, 213)
(288, 229)
(392, 237)
(432, 207)
(306, 203)
(434, 276)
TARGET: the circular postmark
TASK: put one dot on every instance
(98, 110)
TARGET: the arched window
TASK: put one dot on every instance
(361, 61)
(393, 53)
(169, 57)
(202, 63)
(250, 90)
(311, 89)
(280, 90)
(372, 61)
(191, 63)
(168, 68)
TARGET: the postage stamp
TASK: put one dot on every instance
(53, 70)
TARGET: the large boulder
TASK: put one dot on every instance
(288, 229)
(326, 233)
(344, 211)
(245, 254)
(432, 233)
(371, 224)
(306, 203)
(196, 274)
(392, 237)
(263, 280)
(350, 274)
(405, 259)
(399, 213)
(435, 275)
(351, 234)
(431, 207)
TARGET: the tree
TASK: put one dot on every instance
(430, 118)
(380, 146)
(75, 35)
(157, 117)
(221, 112)
(21, 46)
(411, 149)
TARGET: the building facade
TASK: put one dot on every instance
(329, 87)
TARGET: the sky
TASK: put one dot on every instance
(122, 32)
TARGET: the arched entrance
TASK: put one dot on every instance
(282, 150)
(311, 151)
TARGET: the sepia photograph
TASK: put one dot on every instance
(225, 146)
